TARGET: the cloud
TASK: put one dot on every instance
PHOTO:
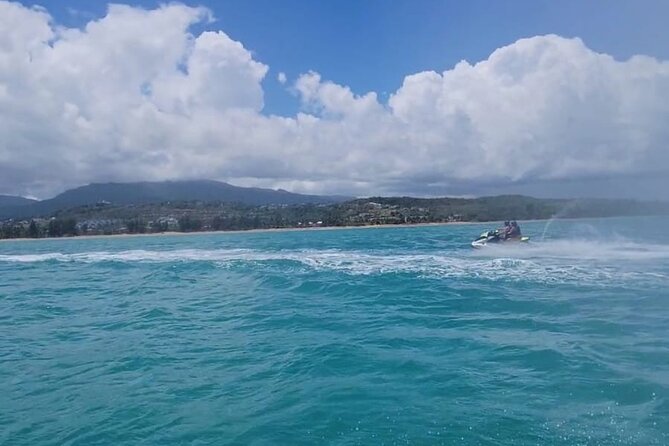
(135, 95)
(542, 108)
(281, 77)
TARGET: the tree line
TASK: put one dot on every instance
(54, 228)
(218, 216)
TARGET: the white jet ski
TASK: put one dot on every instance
(495, 238)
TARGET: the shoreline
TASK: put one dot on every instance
(294, 229)
(243, 231)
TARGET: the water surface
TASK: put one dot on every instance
(361, 336)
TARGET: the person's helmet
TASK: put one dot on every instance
(506, 223)
(513, 223)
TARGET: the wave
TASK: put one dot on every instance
(138, 255)
(558, 261)
(557, 249)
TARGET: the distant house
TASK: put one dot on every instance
(171, 223)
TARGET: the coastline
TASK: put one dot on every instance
(305, 229)
(243, 231)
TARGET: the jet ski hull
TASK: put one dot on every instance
(491, 239)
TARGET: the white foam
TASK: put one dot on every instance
(566, 249)
(561, 261)
(183, 255)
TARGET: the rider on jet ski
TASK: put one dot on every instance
(513, 231)
(510, 232)
(502, 233)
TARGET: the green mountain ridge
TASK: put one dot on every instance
(120, 194)
(13, 200)
(116, 208)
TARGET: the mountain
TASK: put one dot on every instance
(11, 200)
(158, 192)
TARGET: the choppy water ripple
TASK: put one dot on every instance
(387, 336)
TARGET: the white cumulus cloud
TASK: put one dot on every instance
(135, 95)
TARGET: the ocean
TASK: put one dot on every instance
(384, 336)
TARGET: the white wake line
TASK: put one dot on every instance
(536, 252)
(580, 250)
(358, 263)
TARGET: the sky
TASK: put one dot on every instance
(368, 97)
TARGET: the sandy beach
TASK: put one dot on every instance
(243, 231)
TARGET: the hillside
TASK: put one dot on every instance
(126, 194)
(191, 216)
(11, 200)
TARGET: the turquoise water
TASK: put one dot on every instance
(363, 336)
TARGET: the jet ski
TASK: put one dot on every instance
(495, 238)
